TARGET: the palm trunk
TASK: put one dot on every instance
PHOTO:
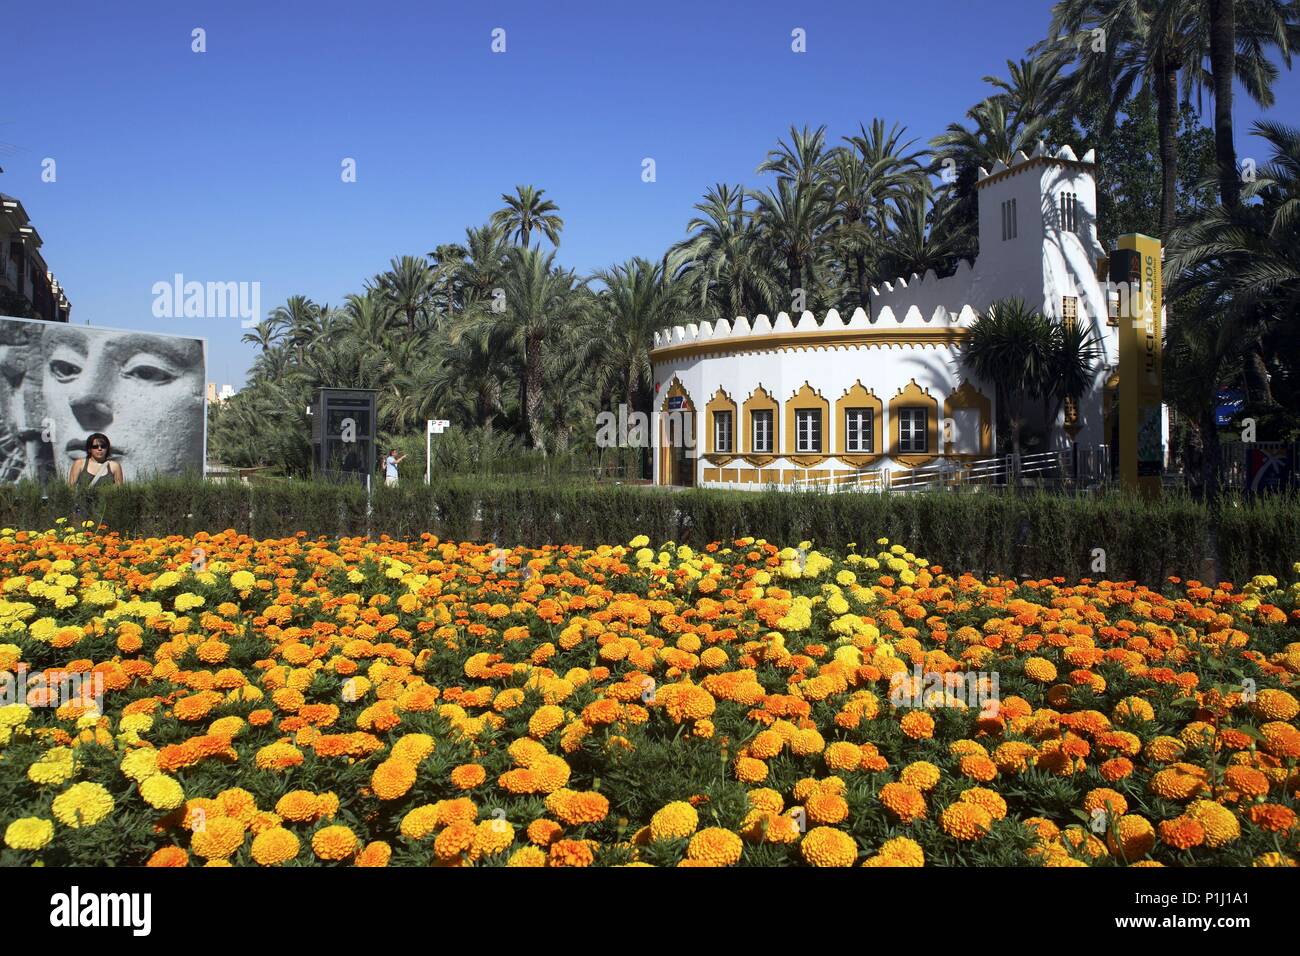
(1256, 375)
(533, 392)
(1223, 64)
(1167, 121)
(1210, 455)
(860, 262)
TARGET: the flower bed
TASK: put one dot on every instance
(226, 700)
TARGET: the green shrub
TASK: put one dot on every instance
(1036, 535)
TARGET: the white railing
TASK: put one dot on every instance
(1002, 469)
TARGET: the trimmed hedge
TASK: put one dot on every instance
(1039, 535)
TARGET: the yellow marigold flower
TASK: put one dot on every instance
(902, 851)
(299, 806)
(376, 854)
(392, 779)
(715, 846)
(674, 821)
(904, 801)
(1136, 837)
(843, 756)
(218, 838)
(334, 842)
(826, 807)
(278, 756)
(990, 800)
(1273, 704)
(1273, 858)
(749, 770)
(766, 744)
(766, 799)
(82, 805)
(545, 719)
(1040, 670)
(492, 836)
(454, 841)
(1104, 798)
(964, 820)
(1179, 782)
(1133, 709)
(807, 742)
(527, 856)
(412, 748)
(29, 833)
(54, 766)
(826, 846)
(162, 792)
(917, 724)
(574, 808)
(920, 774)
(420, 822)
(467, 776)
(140, 764)
(274, 846)
(1221, 826)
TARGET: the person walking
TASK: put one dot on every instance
(97, 466)
(390, 467)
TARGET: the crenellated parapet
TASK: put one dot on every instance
(742, 328)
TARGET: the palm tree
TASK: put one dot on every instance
(263, 335)
(804, 159)
(1010, 346)
(874, 170)
(925, 232)
(408, 286)
(722, 261)
(525, 211)
(1033, 87)
(297, 323)
(1071, 371)
(792, 218)
(638, 299)
(539, 299)
(1246, 258)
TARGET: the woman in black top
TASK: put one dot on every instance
(96, 467)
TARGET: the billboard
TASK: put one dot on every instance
(60, 383)
(1136, 267)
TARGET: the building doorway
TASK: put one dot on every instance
(677, 452)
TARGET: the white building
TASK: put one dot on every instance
(780, 401)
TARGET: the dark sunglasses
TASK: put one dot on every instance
(97, 446)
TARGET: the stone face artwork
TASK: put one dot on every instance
(60, 383)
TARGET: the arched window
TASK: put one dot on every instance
(761, 423)
(914, 425)
(859, 423)
(721, 422)
(805, 423)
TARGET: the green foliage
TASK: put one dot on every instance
(1036, 535)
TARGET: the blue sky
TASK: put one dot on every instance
(225, 165)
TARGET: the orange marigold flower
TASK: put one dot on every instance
(334, 842)
(274, 846)
(1182, 832)
(392, 779)
(825, 846)
(917, 724)
(903, 801)
(964, 820)
(570, 853)
(1273, 817)
(468, 776)
(169, 856)
(715, 846)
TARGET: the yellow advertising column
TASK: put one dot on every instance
(1135, 273)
